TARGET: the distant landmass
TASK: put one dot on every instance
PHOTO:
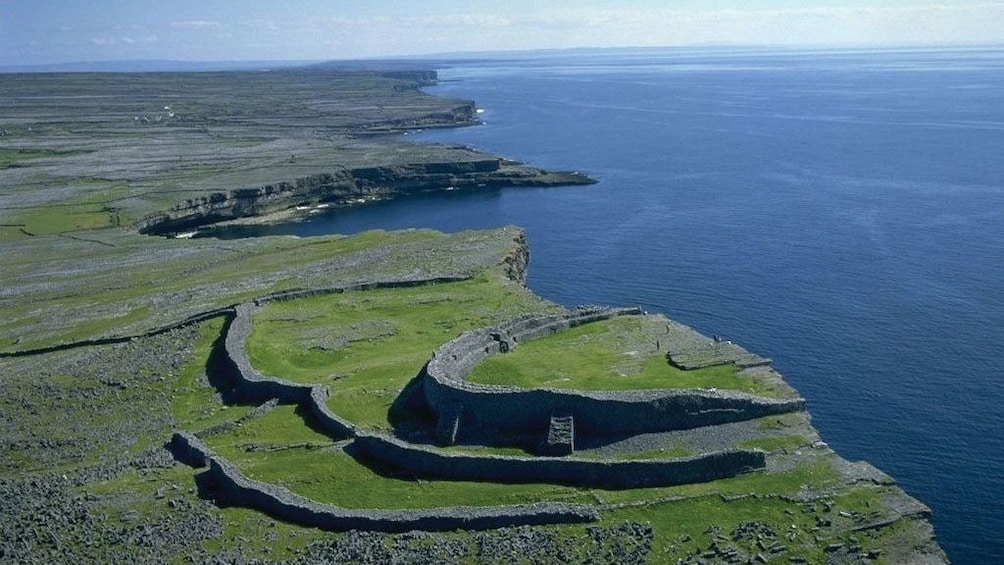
(172, 66)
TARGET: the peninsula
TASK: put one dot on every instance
(382, 397)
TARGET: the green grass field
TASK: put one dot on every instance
(110, 282)
(365, 346)
(617, 354)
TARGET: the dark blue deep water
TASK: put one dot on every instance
(840, 212)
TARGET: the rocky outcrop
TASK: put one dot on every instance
(344, 187)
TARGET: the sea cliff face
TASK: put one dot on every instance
(514, 264)
(464, 114)
(345, 187)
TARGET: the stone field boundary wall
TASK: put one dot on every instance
(513, 409)
(614, 474)
(295, 293)
(231, 487)
(226, 311)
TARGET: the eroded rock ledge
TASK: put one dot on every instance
(345, 187)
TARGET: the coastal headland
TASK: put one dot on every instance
(382, 397)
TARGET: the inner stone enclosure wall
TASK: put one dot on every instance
(515, 410)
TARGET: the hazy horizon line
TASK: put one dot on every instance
(250, 64)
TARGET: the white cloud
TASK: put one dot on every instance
(123, 40)
(195, 24)
(266, 25)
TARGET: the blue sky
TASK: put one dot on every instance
(54, 31)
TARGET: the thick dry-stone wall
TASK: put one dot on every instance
(560, 438)
(189, 449)
(434, 463)
(252, 385)
(324, 418)
(519, 410)
(231, 487)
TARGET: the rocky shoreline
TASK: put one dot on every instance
(349, 187)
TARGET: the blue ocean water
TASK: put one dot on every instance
(841, 212)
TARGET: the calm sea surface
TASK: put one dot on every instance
(841, 212)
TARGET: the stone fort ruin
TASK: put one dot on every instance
(456, 412)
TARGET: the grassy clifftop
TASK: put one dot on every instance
(111, 340)
(84, 471)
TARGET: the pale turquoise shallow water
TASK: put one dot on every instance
(841, 212)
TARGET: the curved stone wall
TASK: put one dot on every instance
(255, 386)
(326, 419)
(189, 449)
(436, 463)
(231, 487)
(252, 385)
(512, 409)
